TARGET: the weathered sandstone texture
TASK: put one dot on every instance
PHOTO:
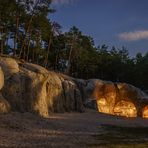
(27, 87)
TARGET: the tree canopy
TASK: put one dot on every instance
(35, 38)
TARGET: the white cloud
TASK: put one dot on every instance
(56, 2)
(134, 36)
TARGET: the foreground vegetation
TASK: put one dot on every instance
(35, 38)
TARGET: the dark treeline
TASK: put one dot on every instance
(26, 32)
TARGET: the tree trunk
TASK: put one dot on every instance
(69, 61)
(16, 33)
(28, 28)
(1, 46)
(24, 41)
(33, 55)
(28, 50)
(1, 40)
(56, 62)
(47, 55)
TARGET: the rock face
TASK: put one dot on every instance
(1, 78)
(32, 88)
(27, 87)
(9, 66)
(4, 105)
(116, 98)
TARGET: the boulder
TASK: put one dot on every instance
(72, 95)
(34, 68)
(117, 98)
(33, 88)
(34, 95)
(9, 66)
(103, 92)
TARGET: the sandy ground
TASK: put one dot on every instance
(72, 130)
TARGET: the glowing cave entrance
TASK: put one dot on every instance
(145, 112)
(125, 108)
(103, 106)
(122, 108)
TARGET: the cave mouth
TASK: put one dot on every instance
(145, 112)
(103, 106)
(125, 108)
(122, 108)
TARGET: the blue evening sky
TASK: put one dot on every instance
(112, 22)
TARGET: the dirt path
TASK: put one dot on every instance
(72, 130)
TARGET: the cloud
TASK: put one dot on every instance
(134, 36)
(61, 2)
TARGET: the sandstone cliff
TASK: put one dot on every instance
(32, 88)
(27, 87)
(4, 105)
(115, 98)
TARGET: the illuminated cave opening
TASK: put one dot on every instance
(125, 108)
(103, 106)
(122, 108)
(145, 112)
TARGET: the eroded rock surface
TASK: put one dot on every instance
(1, 78)
(9, 66)
(31, 88)
(117, 98)
(4, 105)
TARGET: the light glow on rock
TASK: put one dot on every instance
(145, 112)
(122, 108)
(125, 108)
(103, 106)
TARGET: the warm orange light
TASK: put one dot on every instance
(145, 112)
(103, 106)
(125, 108)
(122, 108)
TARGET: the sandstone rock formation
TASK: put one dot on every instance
(9, 66)
(116, 98)
(1, 78)
(4, 105)
(32, 88)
